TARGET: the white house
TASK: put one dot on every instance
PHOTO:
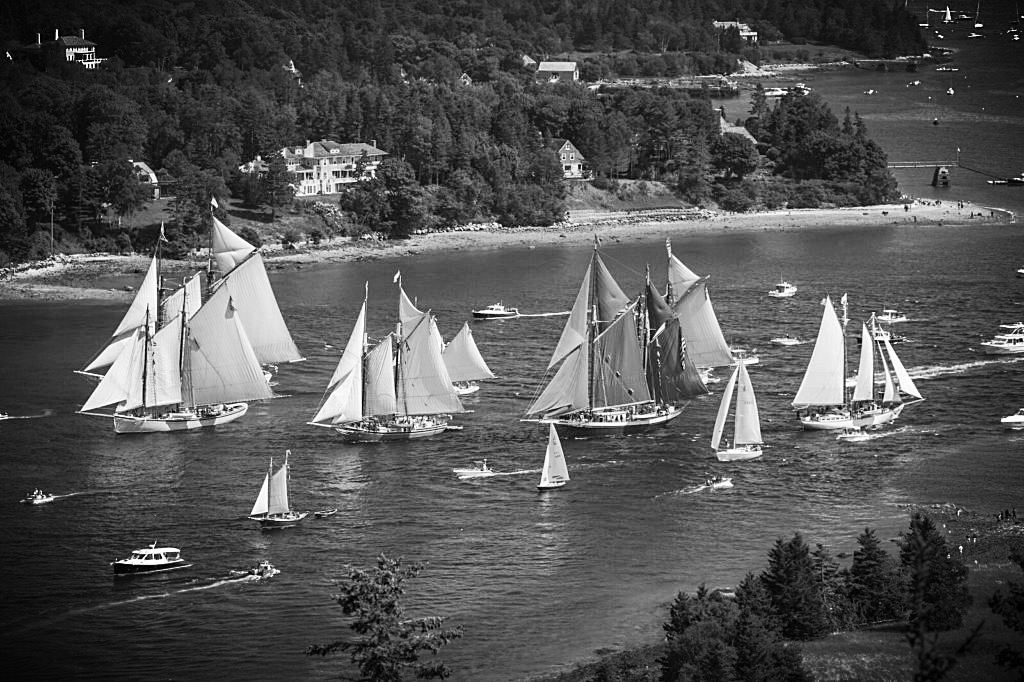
(574, 166)
(325, 166)
(748, 35)
(554, 72)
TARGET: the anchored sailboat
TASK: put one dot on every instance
(821, 401)
(396, 389)
(554, 473)
(746, 423)
(272, 509)
(465, 364)
(621, 370)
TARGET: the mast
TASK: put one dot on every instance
(145, 360)
(362, 357)
(270, 485)
(594, 308)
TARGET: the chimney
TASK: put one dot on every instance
(39, 39)
(373, 143)
(82, 31)
(56, 34)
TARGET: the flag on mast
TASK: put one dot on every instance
(397, 279)
(213, 202)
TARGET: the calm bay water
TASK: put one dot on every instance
(538, 580)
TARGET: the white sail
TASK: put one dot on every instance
(277, 499)
(145, 301)
(255, 302)
(902, 376)
(865, 388)
(344, 400)
(123, 374)
(380, 398)
(680, 277)
(574, 334)
(823, 382)
(748, 421)
(890, 394)
(228, 248)
(222, 364)
(408, 313)
(567, 390)
(163, 374)
(463, 359)
(262, 504)
(187, 298)
(723, 408)
(554, 472)
(424, 385)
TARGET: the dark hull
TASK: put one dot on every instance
(596, 428)
(389, 433)
(136, 569)
(275, 522)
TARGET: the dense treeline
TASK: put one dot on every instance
(196, 89)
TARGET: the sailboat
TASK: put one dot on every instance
(554, 473)
(746, 423)
(622, 363)
(464, 363)
(687, 293)
(272, 509)
(395, 389)
(169, 371)
(822, 401)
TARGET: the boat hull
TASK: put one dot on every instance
(549, 486)
(608, 425)
(485, 315)
(738, 454)
(280, 520)
(39, 500)
(391, 431)
(1000, 349)
(847, 420)
(178, 421)
(123, 568)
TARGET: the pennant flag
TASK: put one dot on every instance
(213, 201)
(397, 278)
(843, 299)
(163, 235)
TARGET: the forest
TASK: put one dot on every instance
(195, 89)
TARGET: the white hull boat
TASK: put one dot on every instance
(151, 559)
(718, 483)
(891, 316)
(783, 290)
(465, 365)
(786, 341)
(478, 470)
(272, 509)
(1006, 343)
(178, 421)
(496, 311)
(746, 421)
(1014, 420)
(38, 497)
(852, 435)
(554, 473)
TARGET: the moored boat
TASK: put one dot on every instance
(496, 311)
(151, 559)
(1008, 342)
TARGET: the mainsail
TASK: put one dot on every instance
(688, 295)
(554, 472)
(671, 374)
(823, 382)
(463, 359)
(273, 495)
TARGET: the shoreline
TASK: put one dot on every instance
(97, 276)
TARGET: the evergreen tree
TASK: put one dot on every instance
(937, 586)
(795, 590)
(1010, 606)
(873, 581)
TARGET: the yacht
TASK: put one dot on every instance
(783, 290)
(150, 559)
(496, 311)
(1008, 342)
(1016, 419)
(889, 315)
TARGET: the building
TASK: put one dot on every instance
(554, 72)
(147, 178)
(325, 166)
(574, 166)
(748, 36)
(70, 48)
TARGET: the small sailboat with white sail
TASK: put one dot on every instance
(272, 509)
(397, 388)
(747, 441)
(554, 473)
(622, 368)
(464, 363)
(822, 401)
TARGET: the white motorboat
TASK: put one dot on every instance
(1020, 273)
(477, 470)
(716, 483)
(748, 357)
(496, 311)
(262, 569)
(1016, 419)
(37, 496)
(323, 513)
(783, 290)
(151, 559)
(852, 435)
(786, 340)
(1006, 343)
(890, 315)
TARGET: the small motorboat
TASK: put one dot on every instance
(786, 340)
(890, 315)
(748, 357)
(1020, 273)
(4, 415)
(716, 483)
(262, 569)
(464, 388)
(151, 559)
(478, 470)
(1016, 419)
(783, 290)
(325, 512)
(37, 496)
(496, 311)
(852, 435)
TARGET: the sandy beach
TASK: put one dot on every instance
(95, 276)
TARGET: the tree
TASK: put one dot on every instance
(1011, 608)
(734, 154)
(388, 643)
(277, 184)
(873, 585)
(937, 587)
(795, 590)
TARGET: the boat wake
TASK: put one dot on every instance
(496, 474)
(11, 417)
(566, 312)
(935, 371)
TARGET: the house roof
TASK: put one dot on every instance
(557, 66)
(327, 148)
(74, 41)
(556, 144)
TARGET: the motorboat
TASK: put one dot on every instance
(1006, 343)
(37, 496)
(477, 470)
(880, 335)
(325, 512)
(1020, 273)
(4, 415)
(496, 311)
(1016, 180)
(464, 388)
(783, 290)
(716, 483)
(890, 315)
(852, 435)
(262, 569)
(1016, 419)
(748, 357)
(151, 559)
(786, 340)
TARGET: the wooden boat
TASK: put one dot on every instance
(272, 509)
